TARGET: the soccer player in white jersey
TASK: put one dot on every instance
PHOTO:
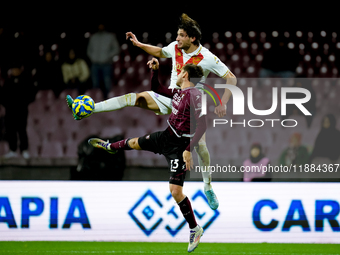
(186, 49)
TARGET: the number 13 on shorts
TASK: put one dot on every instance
(174, 165)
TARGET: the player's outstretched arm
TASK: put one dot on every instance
(150, 49)
(221, 110)
(155, 85)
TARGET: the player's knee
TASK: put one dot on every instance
(133, 144)
(141, 98)
(203, 152)
(177, 193)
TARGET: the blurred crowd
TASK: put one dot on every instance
(326, 150)
(23, 74)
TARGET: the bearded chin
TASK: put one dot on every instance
(184, 47)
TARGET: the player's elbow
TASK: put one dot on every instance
(231, 78)
(161, 55)
(234, 81)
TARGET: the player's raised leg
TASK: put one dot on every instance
(125, 144)
(184, 204)
(143, 100)
(204, 163)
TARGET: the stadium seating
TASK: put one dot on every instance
(54, 134)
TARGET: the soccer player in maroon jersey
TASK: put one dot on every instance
(186, 49)
(186, 127)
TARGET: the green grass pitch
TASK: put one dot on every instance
(164, 248)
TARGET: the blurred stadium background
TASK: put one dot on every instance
(242, 35)
(54, 136)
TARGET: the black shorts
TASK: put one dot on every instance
(172, 147)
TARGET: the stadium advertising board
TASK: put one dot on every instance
(145, 211)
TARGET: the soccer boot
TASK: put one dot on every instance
(101, 144)
(69, 101)
(212, 199)
(195, 237)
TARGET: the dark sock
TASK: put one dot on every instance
(187, 212)
(121, 145)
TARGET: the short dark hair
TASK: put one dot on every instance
(191, 27)
(193, 71)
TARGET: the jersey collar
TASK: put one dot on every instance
(194, 53)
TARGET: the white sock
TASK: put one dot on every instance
(195, 228)
(204, 163)
(115, 103)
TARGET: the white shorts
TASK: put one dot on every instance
(164, 103)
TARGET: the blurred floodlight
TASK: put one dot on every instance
(323, 69)
(235, 57)
(219, 45)
(259, 57)
(230, 46)
(254, 46)
(299, 69)
(244, 45)
(251, 34)
(267, 45)
(228, 34)
(250, 69)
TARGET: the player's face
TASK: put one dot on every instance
(184, 41)
(180, 78)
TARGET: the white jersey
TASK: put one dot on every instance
(201, 57)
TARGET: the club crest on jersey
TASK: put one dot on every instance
(196, 60)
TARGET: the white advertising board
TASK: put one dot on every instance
(146, 212)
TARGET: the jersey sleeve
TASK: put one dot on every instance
(217, 66)
(201, 122)
(169, 50)
(158, 88)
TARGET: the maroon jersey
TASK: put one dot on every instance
(185, 119)
(186, 109)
